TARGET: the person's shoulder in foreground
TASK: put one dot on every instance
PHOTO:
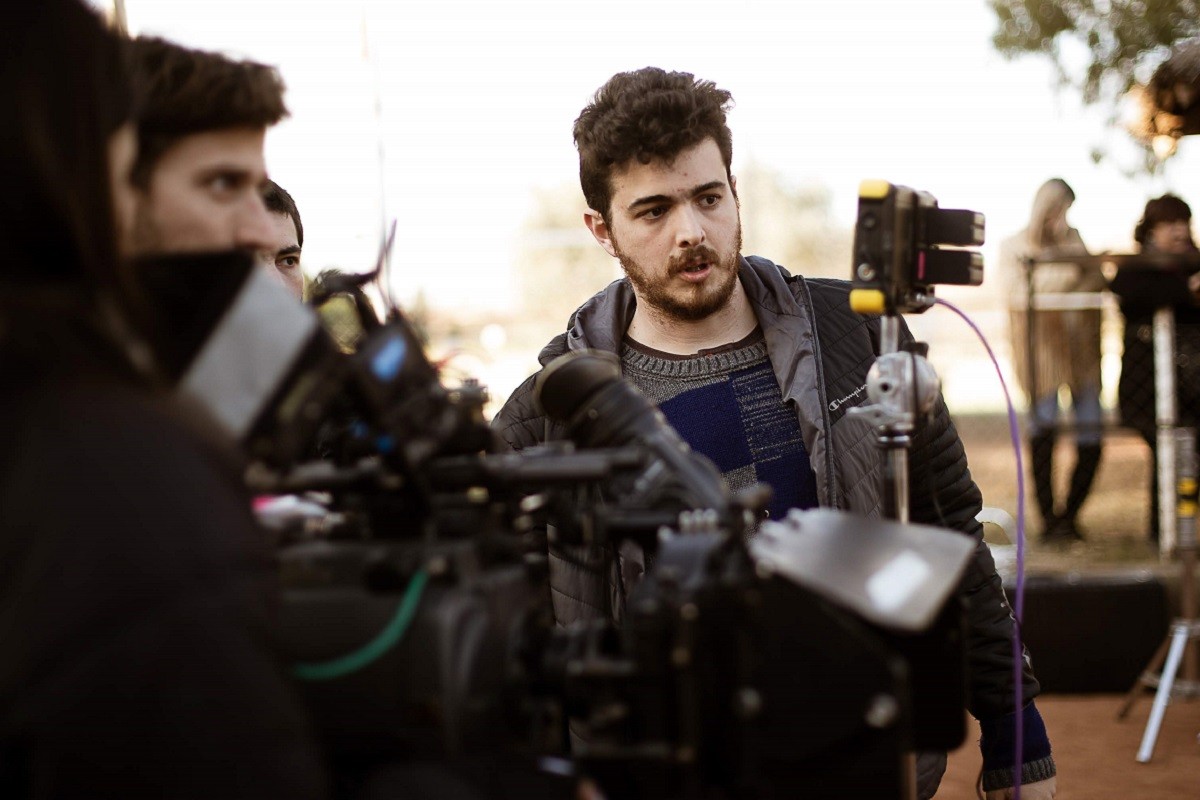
(142, 593)
(134, 587)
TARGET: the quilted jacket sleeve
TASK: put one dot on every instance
(518, 422)
(944, 493)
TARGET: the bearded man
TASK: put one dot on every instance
(756, 369)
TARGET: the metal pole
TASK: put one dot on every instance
(898, 460)
(895, 442)
(889, 334)
(1179, 638)
(1165, 414)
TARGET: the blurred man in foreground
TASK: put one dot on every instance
(200, 175)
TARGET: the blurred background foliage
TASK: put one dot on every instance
(1099, 49)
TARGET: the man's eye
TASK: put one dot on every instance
(710, 199)
(288, 262)
(655, 213)
(223, 183)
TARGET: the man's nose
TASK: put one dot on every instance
(254, 225)
(689, 230)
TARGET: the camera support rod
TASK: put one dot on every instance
(902, 388)
(899, 255)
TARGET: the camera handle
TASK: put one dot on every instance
(902, 388)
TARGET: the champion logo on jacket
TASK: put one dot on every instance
(836, 404)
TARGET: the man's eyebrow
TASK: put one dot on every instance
(708, 187)
(662, 198)
(225, 170)
(290, 250)
(642, 201)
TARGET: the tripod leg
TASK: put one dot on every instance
(1179, 639)
(1156, 662)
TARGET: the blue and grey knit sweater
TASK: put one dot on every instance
(702, 395)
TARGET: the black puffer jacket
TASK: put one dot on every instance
(820, 351)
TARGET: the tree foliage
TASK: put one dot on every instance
(1122, 41)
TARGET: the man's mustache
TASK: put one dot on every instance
(690, 256)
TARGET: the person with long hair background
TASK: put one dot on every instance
(1061, 350)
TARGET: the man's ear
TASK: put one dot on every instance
(733, 186)
(599, 228)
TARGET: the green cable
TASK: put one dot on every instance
(386, 640)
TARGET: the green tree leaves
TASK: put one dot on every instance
(1122, 40)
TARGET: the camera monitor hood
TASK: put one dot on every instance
(227, 334)
(898, 576)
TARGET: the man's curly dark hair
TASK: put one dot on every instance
(185, 91)
(646, 114)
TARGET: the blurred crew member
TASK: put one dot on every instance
(1165, 229)
(200, 174)
(756, 369)
(135, 603)
(282, 258)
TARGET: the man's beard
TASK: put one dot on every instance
(688, 302)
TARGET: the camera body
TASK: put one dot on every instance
(729, 676)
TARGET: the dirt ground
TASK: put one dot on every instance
(1114, 519)
(1095, 752)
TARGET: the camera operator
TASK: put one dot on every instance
(282, 258)
(135, 611)
(756, 368)
(200, 175)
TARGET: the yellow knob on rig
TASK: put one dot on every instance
(874, 189)
(868, 301)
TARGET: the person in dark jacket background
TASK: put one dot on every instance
(135, 588)
(1164, 230)
(757, 370)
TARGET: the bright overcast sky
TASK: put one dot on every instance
(478, 96)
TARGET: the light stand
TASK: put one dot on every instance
(1176, 469)
(1175, 649)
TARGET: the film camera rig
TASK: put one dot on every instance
(727, 642)
(750, 663)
